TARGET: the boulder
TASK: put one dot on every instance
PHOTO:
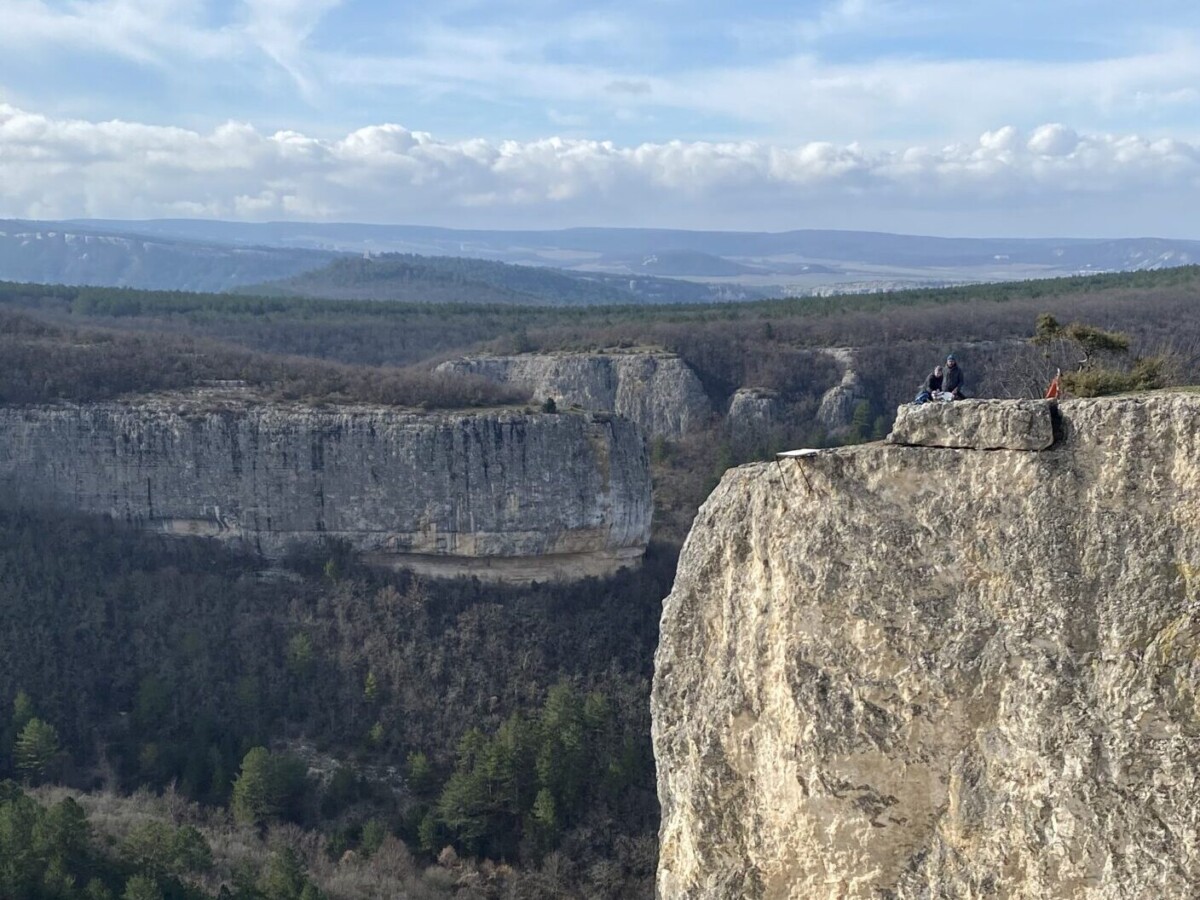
(976, 424)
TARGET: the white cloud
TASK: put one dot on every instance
(57, 168)
(1053, 140)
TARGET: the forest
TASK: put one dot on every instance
(179, 720)
(434, 279)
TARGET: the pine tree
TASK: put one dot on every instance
(141, 887)
(267, 786)
(284, 878)
(254, 795)
(36, 748)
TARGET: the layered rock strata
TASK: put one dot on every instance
(903, 672)
(499, 494)
(658, 391)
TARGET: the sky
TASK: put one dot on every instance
(1021, 118)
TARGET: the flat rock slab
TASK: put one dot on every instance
(976, 425)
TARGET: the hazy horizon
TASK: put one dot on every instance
(999, 236)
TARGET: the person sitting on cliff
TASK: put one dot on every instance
(952, 379)
(933, 386)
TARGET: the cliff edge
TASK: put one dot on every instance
(935, 671)
(500, 494)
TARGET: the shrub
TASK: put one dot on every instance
(1096, 382)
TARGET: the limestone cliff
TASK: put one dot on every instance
(501, 494)
(657, 390)
(753, 412)
(934, 671)
(836, 412)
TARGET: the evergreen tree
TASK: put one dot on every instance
(22, 711)
(544, 817)
(141, 887)
(267, 787)
(285, 878)
(36, 748)
(255, 796)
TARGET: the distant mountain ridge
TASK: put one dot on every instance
(409, 277)
(575, 266)
(880, 248)
(59, 253)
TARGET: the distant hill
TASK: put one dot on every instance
(622, 265)
(806, 245)
(455, 279)
(54, 253)
(443, 279)
(689, 263)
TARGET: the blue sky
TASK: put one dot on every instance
(980, 117)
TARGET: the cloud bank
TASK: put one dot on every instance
(1052, 177)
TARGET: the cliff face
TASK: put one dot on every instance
(500, 494)
(658, 391)
(934, 671)
(836, 411)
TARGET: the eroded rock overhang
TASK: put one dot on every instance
(500, 494)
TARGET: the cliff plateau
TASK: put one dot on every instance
(895, 671)
(500, 494)
(657, 390)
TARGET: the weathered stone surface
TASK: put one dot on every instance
(658, 391)
(836, 411)
(976, 424)
(753, 413)
(892, 671)
(500, 494)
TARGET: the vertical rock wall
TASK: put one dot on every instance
(936, 671)
(498, 493)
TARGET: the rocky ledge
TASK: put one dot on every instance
(904, 672)
(500, 494)
(976, 424)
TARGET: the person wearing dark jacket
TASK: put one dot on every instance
(933, 383)
(952, 378)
